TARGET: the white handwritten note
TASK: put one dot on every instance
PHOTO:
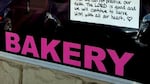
(122, 13)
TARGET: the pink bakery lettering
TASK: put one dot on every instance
(29, 46)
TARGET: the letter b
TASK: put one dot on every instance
(12, 40)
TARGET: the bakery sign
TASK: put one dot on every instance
(57, 35)
(29, 46)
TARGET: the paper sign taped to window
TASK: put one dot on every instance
(121, 13)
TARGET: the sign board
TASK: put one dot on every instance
(43, 34)
(109, 12)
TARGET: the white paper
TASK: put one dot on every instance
(122, 13)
